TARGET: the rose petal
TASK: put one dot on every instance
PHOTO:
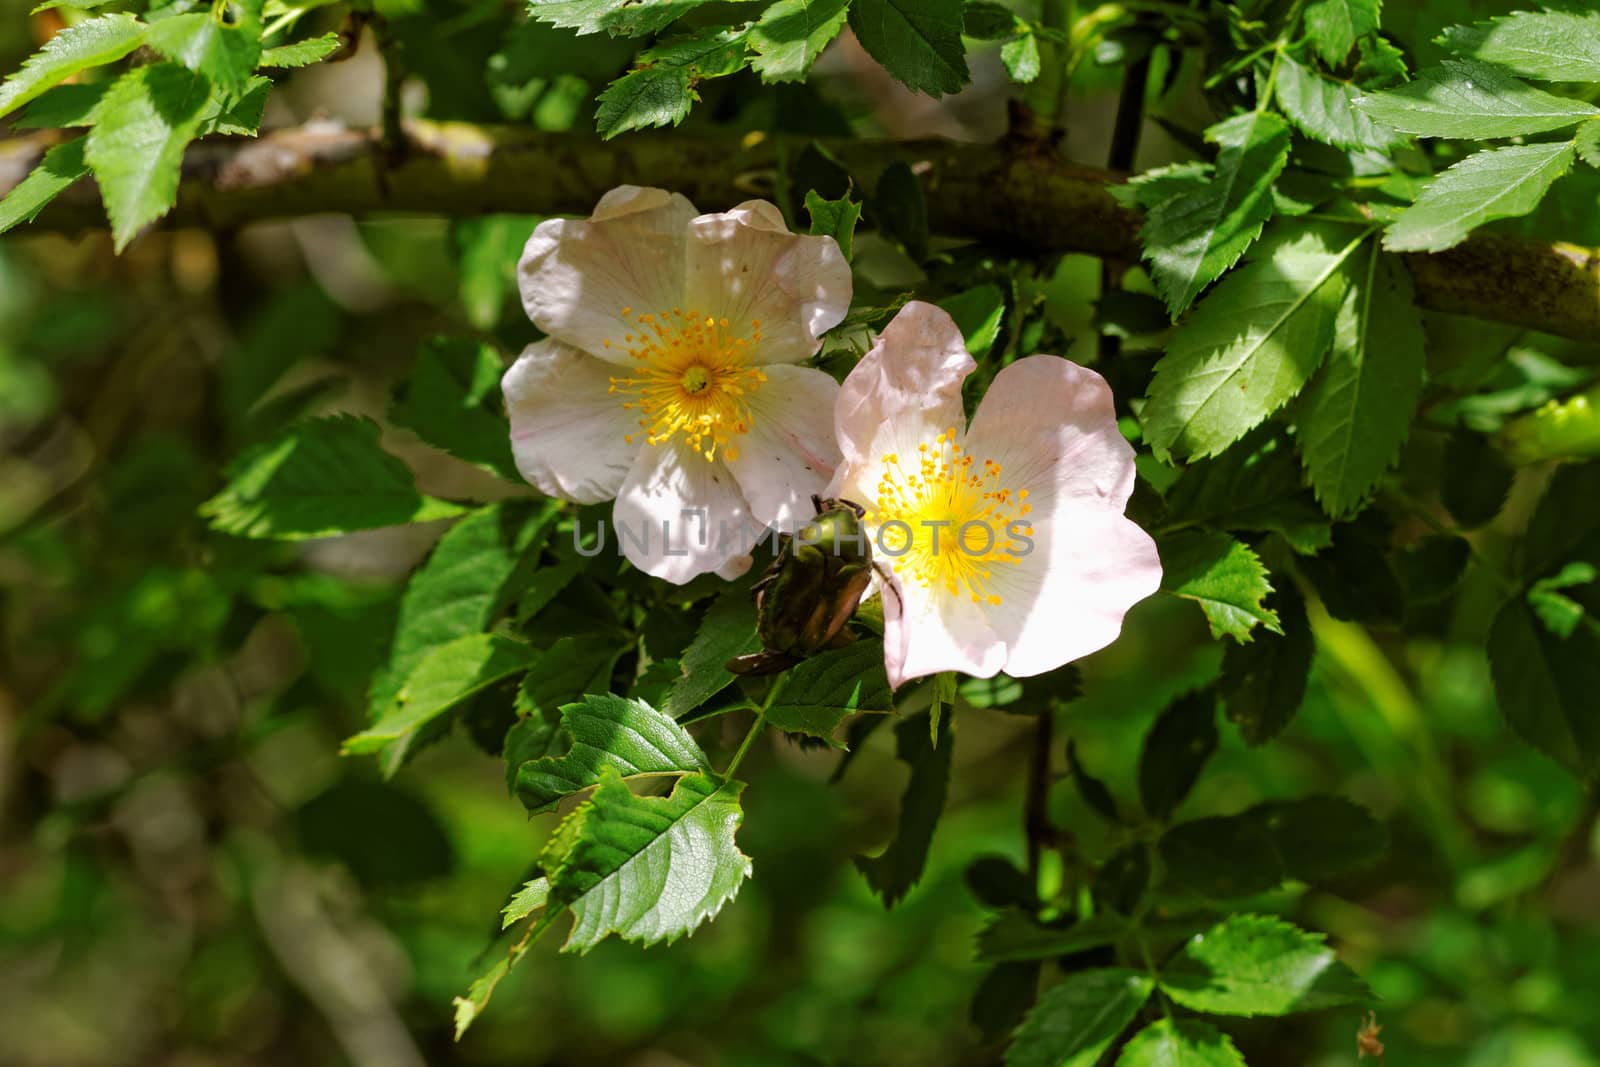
(680, 515)
(567, 429)
(928, 631)
(1067, 598)
(905, 391)
(1052, 427)
(576, 276)
(789, 453)
(745, 266)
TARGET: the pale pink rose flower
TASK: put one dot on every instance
(669, 380)
(1004, 543)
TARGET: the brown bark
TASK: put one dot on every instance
(1015, 195)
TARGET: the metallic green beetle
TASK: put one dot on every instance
(811, 590)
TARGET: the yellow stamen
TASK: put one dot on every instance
(694, 377)
(959, 520)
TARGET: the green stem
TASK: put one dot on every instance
(283, 21)
(755, 727)
(1416, 510)
(1278, 48)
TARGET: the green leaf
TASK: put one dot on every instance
(64, 106)
(1075, 1022)
(54, 174)
(1223, 576)
(892, 874)
(917, 41)
(648, 869)
(1356, 412)
(1334, 26)
(1559, 613)
(632, 18)
(452, 401)
(1222, 857)
(792, 33)
(821, 692)
(1497, 183)
(529, 899)
(1091, 789)
(1020, 55)
(1559, 532)
(76, 5)
(1324, 110)
(900, 208)
(1546, 684)
(1312, 839)
(834, 218)
(979, 312)
(714, 52)
(996, 882)
(1260, 965)
(645, 868)
(1004, 995)
(1558, 46)
(141, 127)
(654, 96)
(1145, 191)
(988, 21)
(1430, 569)
(1382, 63)
(1588, 142)
(1180, 1043)
(469, 1007)
(1175, 752)
(489, 248)
(1254, 485)
(301, 53)
(1122, 879)
(442, 679)
(1264, 682)
(1319, 838)
(225, 55)
(1250, 346)
(462, 586)
(728, 630)
(1014, 937)
(570, 668)
(627, 736)
(72, 51)
(321, 477)
(1190, 239)
(242, 118)
(1473, 101)
(1353, 575)
(1476, 479)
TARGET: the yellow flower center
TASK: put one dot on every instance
(693, 377)
(949, 521)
